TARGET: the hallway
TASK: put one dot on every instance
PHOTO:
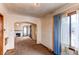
(29, 47)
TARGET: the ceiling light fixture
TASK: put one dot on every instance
(17, 24)
(36, 4)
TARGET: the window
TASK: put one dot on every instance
(70, 33)
(69, 30)
(73, 30)
(25, 30)
(65, 31)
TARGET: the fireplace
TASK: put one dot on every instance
(18, 34)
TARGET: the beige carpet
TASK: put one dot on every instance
(27, 46)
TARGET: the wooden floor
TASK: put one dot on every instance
(28, 46)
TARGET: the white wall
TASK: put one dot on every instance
(47, 31)
(34, 31)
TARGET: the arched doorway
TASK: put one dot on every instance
(23, 29)
(25, 36)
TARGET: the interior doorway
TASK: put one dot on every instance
(1, 34)
(25, 36)
(25, 29)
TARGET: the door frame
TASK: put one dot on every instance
(3, 41)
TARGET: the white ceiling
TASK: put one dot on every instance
(30, 9)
